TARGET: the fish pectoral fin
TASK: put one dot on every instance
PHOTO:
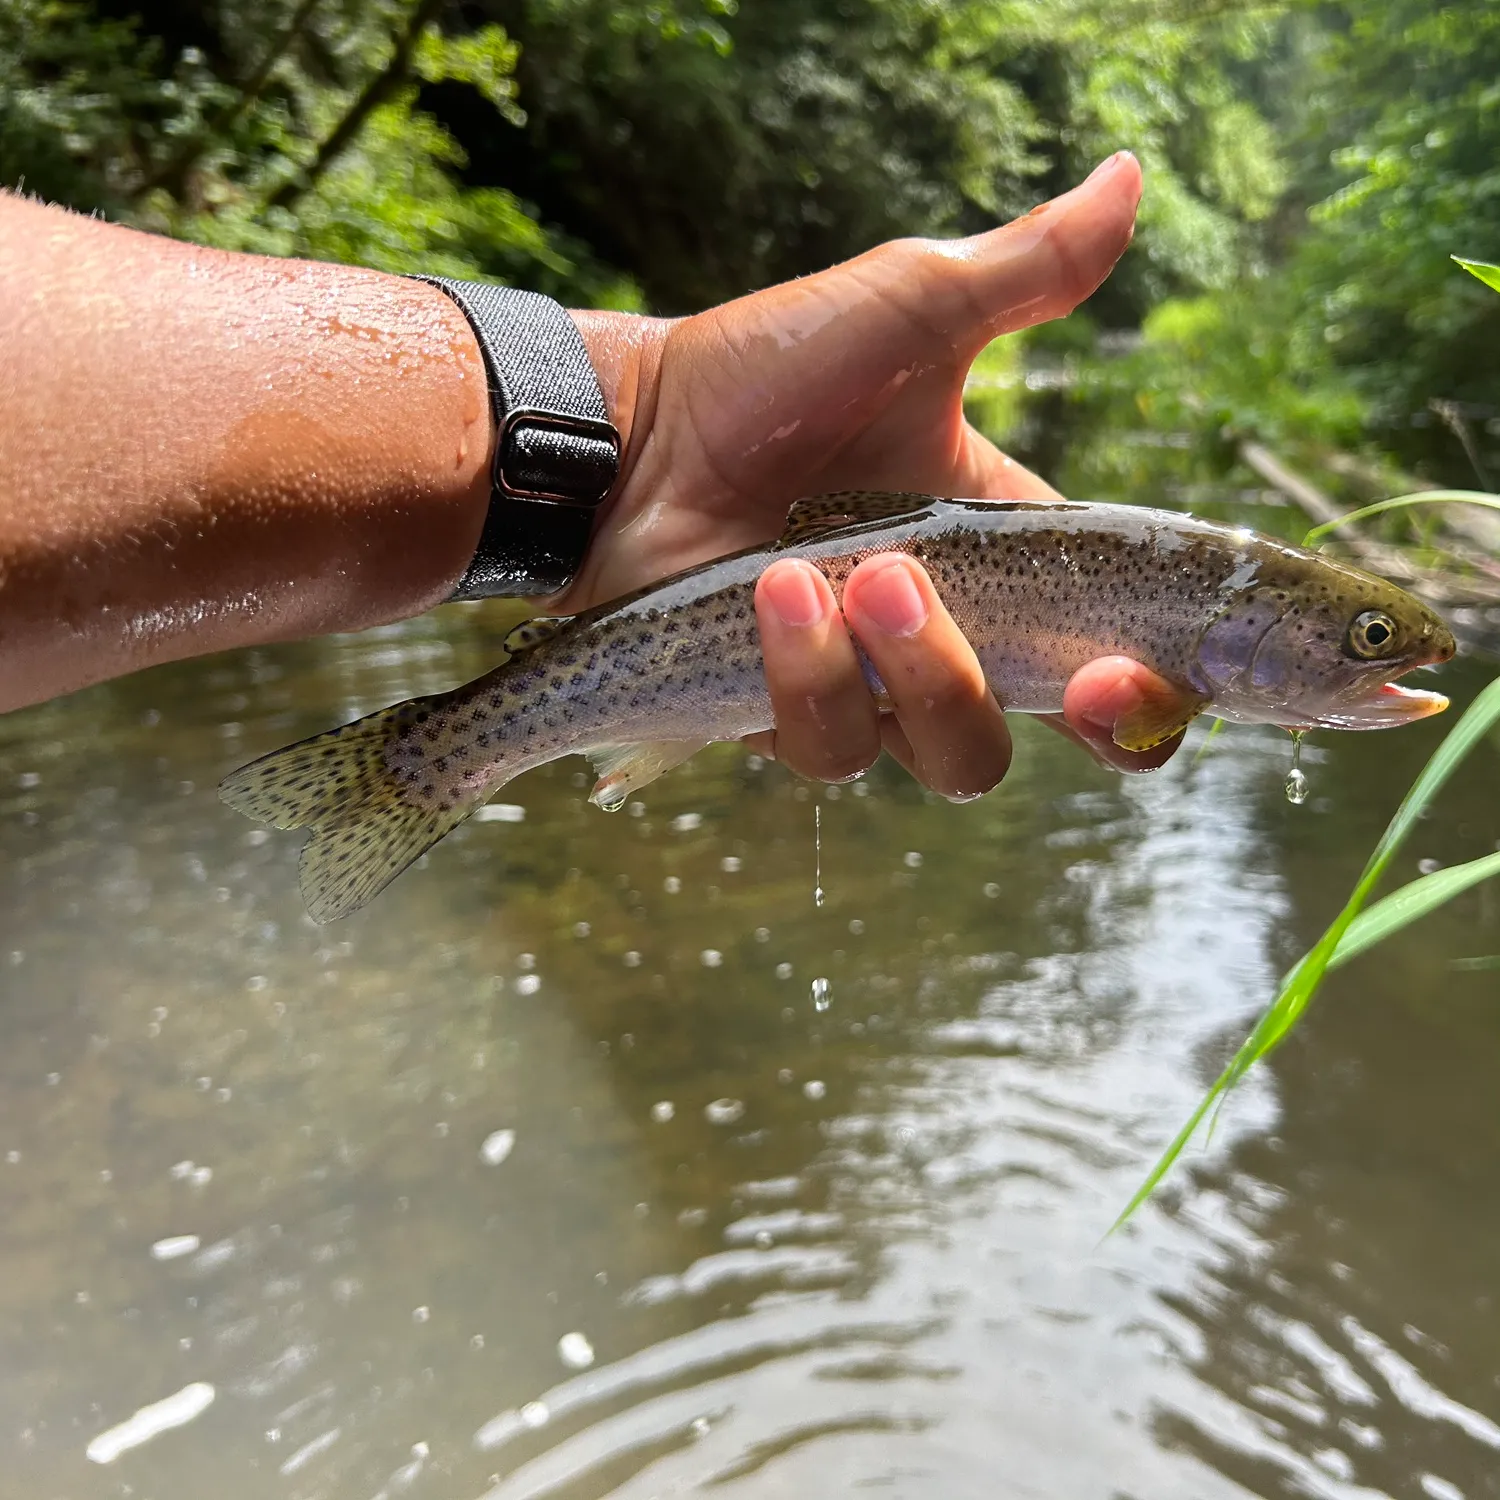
(820, 514)
(531, 633)
(1156, 720)
(624, 769)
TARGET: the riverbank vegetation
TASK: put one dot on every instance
(1287, 312)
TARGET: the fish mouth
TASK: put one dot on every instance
(1391, 705)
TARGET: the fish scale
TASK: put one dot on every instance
(1243, 626)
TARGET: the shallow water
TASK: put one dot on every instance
(822, 1188)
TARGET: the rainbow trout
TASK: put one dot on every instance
(1247, 628)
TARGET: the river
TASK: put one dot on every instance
(598, 1158)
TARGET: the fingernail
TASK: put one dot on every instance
(794, 595)
(1107, 711)
(1108, 165)
(890, 599)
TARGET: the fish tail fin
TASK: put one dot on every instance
(366, 829)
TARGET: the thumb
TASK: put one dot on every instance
(1036, 268)
(927, 305)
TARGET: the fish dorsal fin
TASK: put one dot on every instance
(531, 633)
(820, 514)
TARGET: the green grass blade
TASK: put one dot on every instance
(1401, 908)
(1401, 502)
(1487, 273)
(1214, 731)
(1299, 987)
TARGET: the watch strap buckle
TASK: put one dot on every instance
(555, 456)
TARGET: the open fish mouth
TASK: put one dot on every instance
(1390, 705)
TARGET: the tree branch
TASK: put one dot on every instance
(374, 93)
(172, 175)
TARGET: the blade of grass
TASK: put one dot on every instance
(1487, 961)
(1214, 730)
(1400, 502)
(1487, 273)
(1413, 901)
(1299, 987)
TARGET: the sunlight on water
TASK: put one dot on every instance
(557, 1173)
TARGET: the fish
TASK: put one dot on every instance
(1246, 627)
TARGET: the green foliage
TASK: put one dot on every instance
(1206, 371)
(1409, 106)
(79, 101)
(694, 148)
(816, 128)
(300, 133)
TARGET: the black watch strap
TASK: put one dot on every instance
(556, 454)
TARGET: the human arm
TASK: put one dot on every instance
(201, 450)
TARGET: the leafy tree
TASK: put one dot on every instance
(589, 146)
(1408, 114)
(712, 156)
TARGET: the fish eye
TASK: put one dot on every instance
(1372, 635)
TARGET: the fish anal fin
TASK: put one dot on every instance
(624, 769)
(819, 514)
(1155, 720)
(531, 633)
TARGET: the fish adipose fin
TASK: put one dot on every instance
(624, 769)
(531, 633)
(820, 514)
(1155, 721)
(365, 830)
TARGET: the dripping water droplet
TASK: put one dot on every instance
(822, 996)
(817, 853)
(1296, 778)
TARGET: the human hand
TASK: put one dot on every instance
(852, 379)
